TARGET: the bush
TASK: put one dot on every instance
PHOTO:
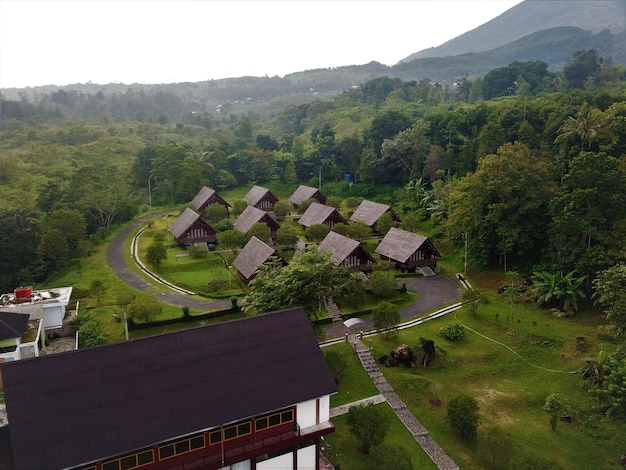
(158, 236)
(197, 251)
(383, 284)
(462, 415)
(452, 331)
(216, 285)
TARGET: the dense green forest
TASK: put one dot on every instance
(527, 165)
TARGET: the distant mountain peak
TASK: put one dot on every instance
(531, 16)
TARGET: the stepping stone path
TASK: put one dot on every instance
(419, 432)
(332, 309)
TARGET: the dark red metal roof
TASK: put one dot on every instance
(80, 406)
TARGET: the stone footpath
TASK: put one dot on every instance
(419, 432)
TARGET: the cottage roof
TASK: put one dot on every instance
(253, 255)
(302, 194)
(318, 213)
(12, 325)
(400, 244)
(340, 246)
(369, 212)
(250, 216)
(204, 195)
(257, 193)
(71, 408)
(184, 222)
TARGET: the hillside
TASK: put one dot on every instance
(531, 16)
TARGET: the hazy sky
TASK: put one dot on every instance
(62, 42)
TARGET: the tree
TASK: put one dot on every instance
(614, 394)
(19, 240)
(216, 212)
(472, 298)
(386, 316)
(463, 415)
(97, 289)
(610, 292)
(554, 288)
(238, 207)
(555, 406)
(498, 445)
(260, 230)
(384, 223)
(144, 309)
(406, 151)
(282, 208)
(232, 239)
(306, 281)
(316, 232)
(53, 250)
(287, 235)
(89, 331)
(590, 124)
(392, 457)
(383, 284)
(503, 206)
(71, 223)
(156, 253)
(581, 66)
(357, 230)
(368, 425)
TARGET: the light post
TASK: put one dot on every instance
(465, 258)
(150, 191)
(229, 280)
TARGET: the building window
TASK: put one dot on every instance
(274, 419)
(181, 446)
(128, 462)
(230, 432)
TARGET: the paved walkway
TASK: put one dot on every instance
(417, 430)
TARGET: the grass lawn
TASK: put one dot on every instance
(510, 390)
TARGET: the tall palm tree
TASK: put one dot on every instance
(588, 126)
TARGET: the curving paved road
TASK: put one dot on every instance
(433, 292)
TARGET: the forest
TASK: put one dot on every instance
(523, 169)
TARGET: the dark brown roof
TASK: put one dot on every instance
(253, 255)
(302, 194)
(257, 193)
(399, 244)
(205, 195)
(340, 246)
(12, 325)
(369, 212)
(250, 216)
(70, 408)
(318, 214)
(184, 222)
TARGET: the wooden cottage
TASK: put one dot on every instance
(306, 192)
(251, 393)
(205, 198)
(190, 228)
(261, 198)
(369, 212)
(347, 252)
(251, 215)
(321, 214)
(407, 250)
(253, 255)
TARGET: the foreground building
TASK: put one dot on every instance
(252, 393)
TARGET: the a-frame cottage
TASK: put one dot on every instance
(321, 214)
(304, 193)
(347, 252)
(251, 215)
(205, 198)
(369, 212)
(253, 255)
(407, 250)
(252, 393)
(190, 228)
(261, 198)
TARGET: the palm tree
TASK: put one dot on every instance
(588, 126)
(555, 287)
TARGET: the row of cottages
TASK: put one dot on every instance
(247, 394)
(304, 193)
(190, 228)
(369, 212)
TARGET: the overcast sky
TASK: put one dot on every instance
(57, 42)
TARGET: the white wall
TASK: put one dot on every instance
(53, 316)
(306, 458)
(306, 413)
(284, 461)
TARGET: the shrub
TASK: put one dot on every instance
(216, 285)
(452, 331)
(383, 284)
(224, 224)
(144, 309)
(158, 236)
(462, 415)
(197, 251)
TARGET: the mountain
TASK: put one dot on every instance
(531, 16)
